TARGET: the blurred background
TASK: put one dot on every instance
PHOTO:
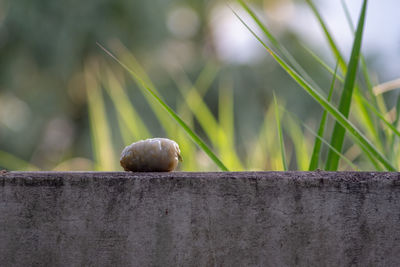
(66, 105)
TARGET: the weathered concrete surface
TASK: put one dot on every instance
(200, 219)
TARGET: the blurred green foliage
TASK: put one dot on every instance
(65, 105)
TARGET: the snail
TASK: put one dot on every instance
(151, 155)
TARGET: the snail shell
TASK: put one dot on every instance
(151, 155)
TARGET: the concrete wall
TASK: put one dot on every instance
(200, 219)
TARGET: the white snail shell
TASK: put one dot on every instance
(151, 155)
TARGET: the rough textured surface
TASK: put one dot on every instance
(200, 219)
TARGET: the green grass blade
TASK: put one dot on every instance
(269, 35)
(207, 120)
(397, 118)
(317, 145)
(131, 62)
(365, 116)
(127, 115)
(126, 134)
(347, 14)
(101, 142)
(342, 156)
(198, 107)
(363, 62)
(347, 160)
(206, 77)
(300, 143)
(392, 142)
(14, 163)
(322, 63)
(227, 125)
(172, 113)
(281, 141)
(277, 45)
(360, 100)
(225, 109)
(337, 139)
(377, 101)
(331, 42)
(391, 126)
(358, 137)
(262, 152)
(188, 148)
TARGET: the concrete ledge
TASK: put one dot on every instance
(200, 219)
